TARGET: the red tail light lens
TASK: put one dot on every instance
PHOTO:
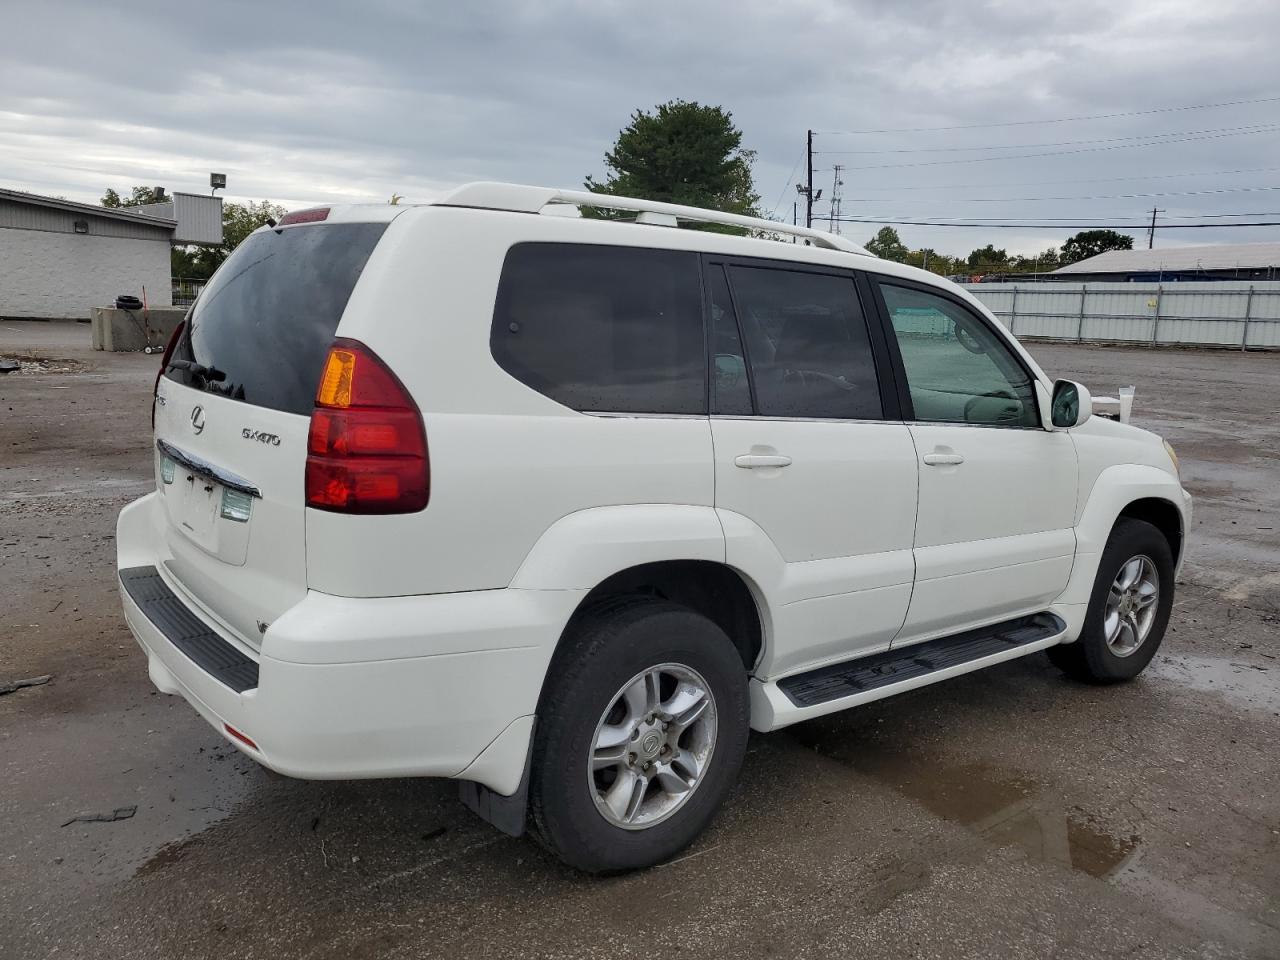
(366, 449)
(164, 365)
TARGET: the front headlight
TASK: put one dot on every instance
(1174, 457)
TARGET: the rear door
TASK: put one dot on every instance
(995, 530)
(232, 416)
(815, 475)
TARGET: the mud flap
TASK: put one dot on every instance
(508, 814)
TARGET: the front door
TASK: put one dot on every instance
(994, 532)
(815, 477)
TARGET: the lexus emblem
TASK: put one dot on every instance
(197, 418)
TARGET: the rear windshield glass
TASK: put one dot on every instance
(260, 330)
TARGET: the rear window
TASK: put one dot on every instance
(261, 328)
(603, 329)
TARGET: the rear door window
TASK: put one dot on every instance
(730, 385)
(260, 330)
(807, 344)
(603, 328)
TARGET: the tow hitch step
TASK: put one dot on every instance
(896, 666)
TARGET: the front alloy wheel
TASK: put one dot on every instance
(1131, 606)
(1128, 610)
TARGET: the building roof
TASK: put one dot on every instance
(1225, 256)
(88, 209)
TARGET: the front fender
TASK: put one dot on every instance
(581, 549)
(1114, 489)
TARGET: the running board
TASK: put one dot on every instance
(851, 682)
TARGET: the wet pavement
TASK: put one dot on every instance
(1008, 813)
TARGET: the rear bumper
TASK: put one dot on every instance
(440, 685)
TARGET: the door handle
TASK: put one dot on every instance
(750, 461)
(942, 459)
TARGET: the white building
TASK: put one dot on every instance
(1222, 261)
(59, 258)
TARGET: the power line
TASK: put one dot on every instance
(1054, 183)
(787, 185)
(1025, 123)
(1096, 196)
(945, 221)
(1062, 153)
(1057, 226)
(1260, 127)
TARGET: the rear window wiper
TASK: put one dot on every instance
(199, 370)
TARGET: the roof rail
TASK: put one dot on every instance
(522, 199)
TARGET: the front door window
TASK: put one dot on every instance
(958, 369)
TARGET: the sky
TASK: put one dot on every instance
(323, 102)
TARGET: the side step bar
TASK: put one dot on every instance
(847, 684)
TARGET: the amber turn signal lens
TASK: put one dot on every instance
(335, 382)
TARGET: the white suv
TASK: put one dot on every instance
(561, 506)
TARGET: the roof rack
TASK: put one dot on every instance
(522, 199)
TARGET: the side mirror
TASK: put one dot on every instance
(1071, 405)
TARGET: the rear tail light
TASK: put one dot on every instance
(366, 449)
(164, 365)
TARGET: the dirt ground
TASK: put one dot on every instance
(1009, 813)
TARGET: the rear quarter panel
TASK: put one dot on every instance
(506, 462)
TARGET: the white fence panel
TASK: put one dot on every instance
(1228, 313)
(1046, 326)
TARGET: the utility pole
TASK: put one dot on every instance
(806, 189)
(833, 218)
(1151, 233)
(808, 183)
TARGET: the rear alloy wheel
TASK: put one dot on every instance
(1128, 611)
(641, 731)
(652, 745)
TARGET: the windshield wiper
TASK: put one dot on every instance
(199, 370)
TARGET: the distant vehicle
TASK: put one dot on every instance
(562, 508)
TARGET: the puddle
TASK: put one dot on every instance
(1251, 686)
(1003, 809)
(170, 854)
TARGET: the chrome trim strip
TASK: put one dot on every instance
(206, 469)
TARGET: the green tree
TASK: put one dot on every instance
(238, 221)
(935, 262)
(887, 245)
(988, 259)
(1039, 263)
(137, 198)
(1090, 243)
(682, 152)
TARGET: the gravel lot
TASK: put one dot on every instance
(1009, 813)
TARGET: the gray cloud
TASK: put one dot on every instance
(306, 102)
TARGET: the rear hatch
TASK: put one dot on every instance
(232, 415)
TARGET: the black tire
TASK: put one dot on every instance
(605, 647)
(1090, 659)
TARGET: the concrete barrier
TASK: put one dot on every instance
(122, 331)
